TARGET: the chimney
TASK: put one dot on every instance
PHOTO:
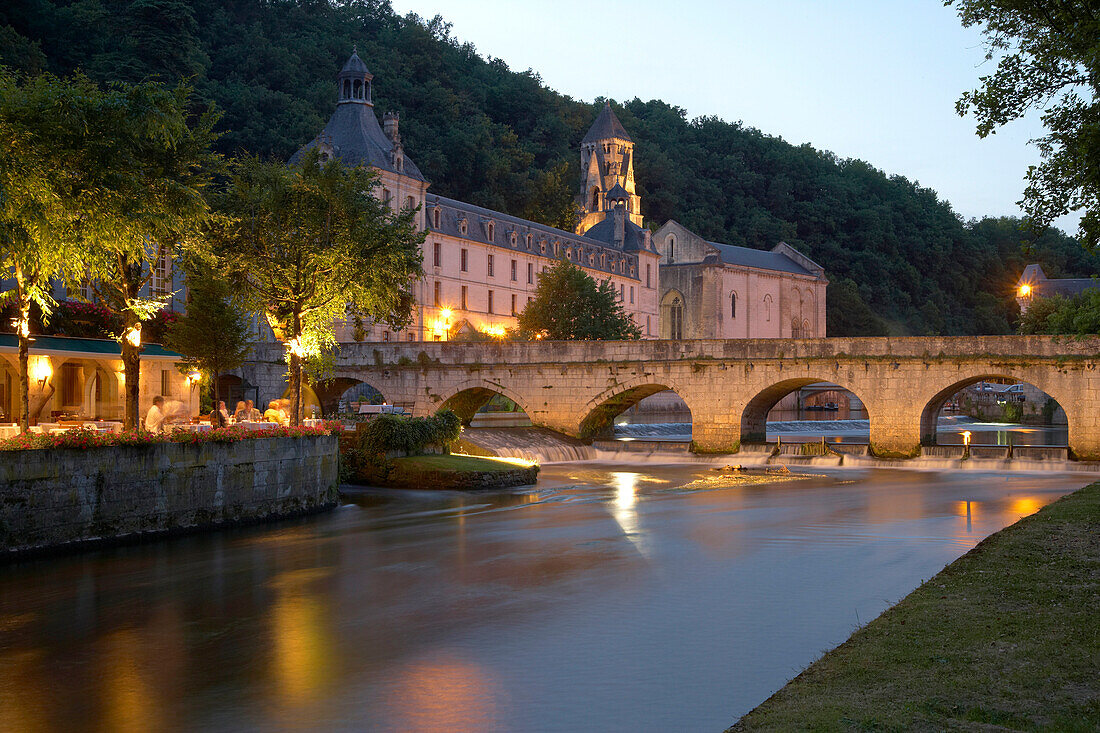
(619, 237)
(389, 125)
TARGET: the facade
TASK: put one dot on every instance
(84, 378)
(1034, 283)
(481, 267)
(713, 290)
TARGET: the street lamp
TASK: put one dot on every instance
(1025, 290)
(966, 443)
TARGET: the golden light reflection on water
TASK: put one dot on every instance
(20, 692)
(302, 654)
(445, 694)
(1027, 505)
(623, 508)
(130, 701)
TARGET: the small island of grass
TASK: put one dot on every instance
(412, 453)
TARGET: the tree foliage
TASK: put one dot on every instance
(215, 332)
(502, 139)
(570, 305)
(1078, 315)
(1048, 59)
(304, 242)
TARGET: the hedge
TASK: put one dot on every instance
(410, 435)
(82, 438)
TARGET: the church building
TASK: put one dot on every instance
(481, 267)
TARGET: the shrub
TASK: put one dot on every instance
(386, 433)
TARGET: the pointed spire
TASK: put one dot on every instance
(605, 127)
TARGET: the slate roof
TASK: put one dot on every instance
(617, 192)
(357, 139)
(758, 258)
(604, 231)
(355, 65)
(1045, 287)
(453, 211)
(606, 126)
(83, 347)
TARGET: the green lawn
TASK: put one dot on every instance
(419, 464)
(1005, 638)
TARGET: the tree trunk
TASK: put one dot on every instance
(296, 374)
(131, 363)
(24, 375)
(23, 329)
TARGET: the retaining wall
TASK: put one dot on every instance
(55, 498)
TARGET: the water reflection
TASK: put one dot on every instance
(514, 611)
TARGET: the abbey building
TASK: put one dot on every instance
(481, 267)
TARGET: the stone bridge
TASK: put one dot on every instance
(578, 387)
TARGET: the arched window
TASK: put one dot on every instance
(347, 88)
(796, 329)
(512, 239)
(676, 319)
(528, 242)
(435, 217)
(462, 227)
(596, 198)
(491, 228)
(733, 304)
(767, 307)
(671, 248)
(358, 89)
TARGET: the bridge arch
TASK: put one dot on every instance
(754, 416)
(929, 418)
(600, 412)
(331, 391)
(470, 396)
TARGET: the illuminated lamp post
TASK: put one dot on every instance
(966, 443)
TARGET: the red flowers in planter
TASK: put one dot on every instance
(83, 438)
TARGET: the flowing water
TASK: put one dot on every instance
(800, 426)
(609, 597)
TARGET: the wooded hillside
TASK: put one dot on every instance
(897, 256)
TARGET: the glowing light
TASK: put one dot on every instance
(446, 314)
(194, 377)
(439, 326)
(1025, 290)
(1026, 506)
(22, 326)
(41, 369)
(295, 347)
(495, 331)
(966, 437)
(133, 335)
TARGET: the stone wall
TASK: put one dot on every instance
(53, 498)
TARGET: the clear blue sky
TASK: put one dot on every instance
(870, 79)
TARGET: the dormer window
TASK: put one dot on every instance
(462, 227)
(491, 230)
(529, 240)
(435, 217)
(542, 247)
(512, 239)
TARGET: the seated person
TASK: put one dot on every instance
(156, 418)
(219, 417)
(253, 414)
(242, 413)
(273, 413)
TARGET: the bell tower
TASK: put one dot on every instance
(607, 167)
(354, 82)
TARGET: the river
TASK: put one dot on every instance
(607, 598)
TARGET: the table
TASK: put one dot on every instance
(259, 425)
(311, 422)
(9, 431)
(197, 428)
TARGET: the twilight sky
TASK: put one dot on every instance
(870, 79)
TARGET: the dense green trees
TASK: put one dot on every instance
(303, 242)
(1079, 315)
(570, 305)
(1048, 59)
(502, 139)
(215, 334)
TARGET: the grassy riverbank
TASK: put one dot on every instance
(1005, 638)
(452, 472)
